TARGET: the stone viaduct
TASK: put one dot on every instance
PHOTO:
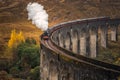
(69, 52)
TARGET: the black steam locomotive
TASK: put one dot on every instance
(46, 35)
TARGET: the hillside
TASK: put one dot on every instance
(13, 14)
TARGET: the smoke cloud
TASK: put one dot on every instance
(38, 15)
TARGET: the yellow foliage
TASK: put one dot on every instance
(20, 37)
(15, 39)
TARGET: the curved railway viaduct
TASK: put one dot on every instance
(69, 52)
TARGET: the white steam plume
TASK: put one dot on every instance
(38, 15)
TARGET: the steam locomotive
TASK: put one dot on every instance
(46, 35)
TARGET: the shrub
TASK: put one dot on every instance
(14, 70)
(30, 53)
(35, 73)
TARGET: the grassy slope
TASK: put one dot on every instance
(13, 15)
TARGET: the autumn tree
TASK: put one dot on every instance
(15, 39)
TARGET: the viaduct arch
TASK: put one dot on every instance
(68, 53)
